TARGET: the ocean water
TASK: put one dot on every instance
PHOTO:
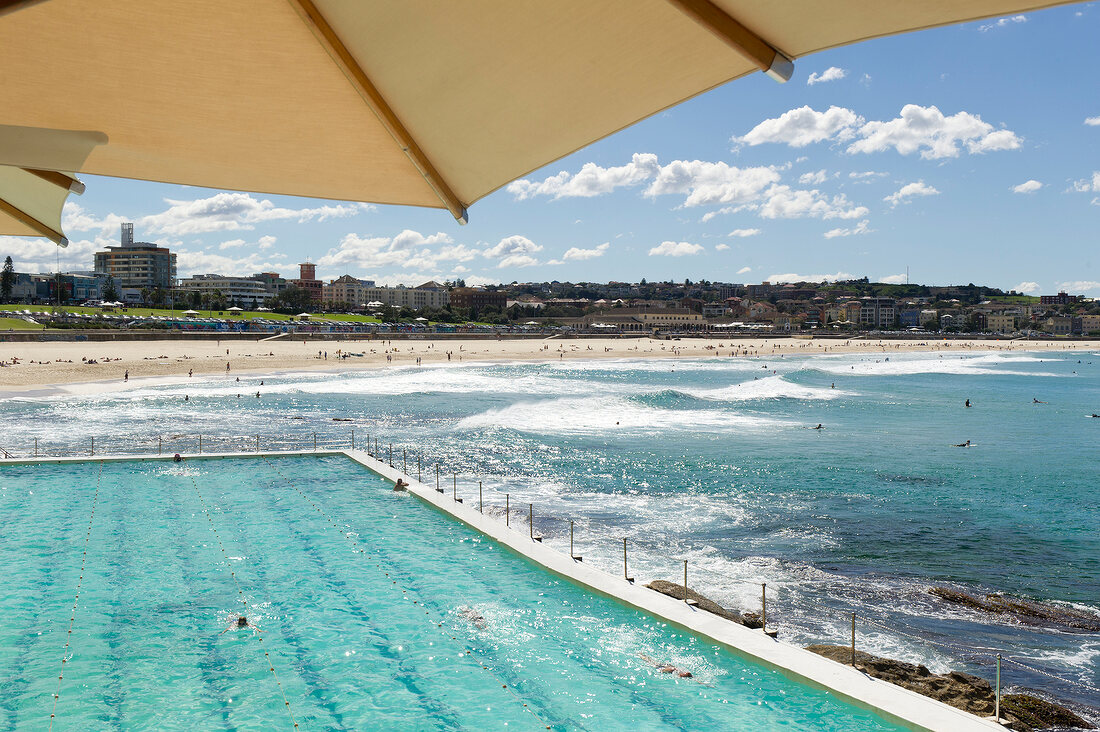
(367, 611)
(713, 460)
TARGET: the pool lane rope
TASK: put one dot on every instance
(240, 594)
(76, 600)
(404, 592)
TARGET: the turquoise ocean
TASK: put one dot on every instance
(715, 461)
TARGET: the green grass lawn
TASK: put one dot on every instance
(17, 324)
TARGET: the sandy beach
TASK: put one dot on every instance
(57, 363)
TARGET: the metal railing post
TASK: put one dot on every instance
(997, 703)
(391, 455)
(315, 442)
(531, 519)
(853, 640)
(764, 606)
(507, 510)
(626, 574)
(257, 443)
(571, 539)
(405, 461)
(454, 488)
(352, 438)
(200, 444)
(93, 446)
(419, 478)
(685, 580)
(480, 499)
(36, 447)
(437, 488)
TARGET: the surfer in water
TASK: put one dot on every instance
(963, 444)
(1036, 401)
(819, 427)
(968, 402)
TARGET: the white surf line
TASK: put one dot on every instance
(894, 703)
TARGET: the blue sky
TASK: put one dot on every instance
(967, 154)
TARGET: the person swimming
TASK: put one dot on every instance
(400, 485)
(666, 668)
(963, 444)
(241, 621)
(819, 427)
(968, 402)
(1036, 401)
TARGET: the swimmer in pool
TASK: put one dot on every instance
(240, 621)
(666, 668)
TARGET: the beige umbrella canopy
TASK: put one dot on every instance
(416, 102)
(31, 202)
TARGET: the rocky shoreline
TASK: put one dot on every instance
(1028, 612)
(1022, 712)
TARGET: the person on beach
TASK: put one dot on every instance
(126, 376)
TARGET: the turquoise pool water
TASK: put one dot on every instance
(374, 612)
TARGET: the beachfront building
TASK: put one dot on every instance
(636, 320)
(999, 323)
(137, 264)
(478, 298)
(244, 291)
(877, 313)
(357, 294)
(307, 280)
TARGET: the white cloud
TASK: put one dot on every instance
(830, 74)
(1029, 186)
(675, 249)
(33, 254)
(803, 126)
(781, 279)
(866, 176)
(815, 178)
(517, 260)
(1088, 185)
(220, 212)
(744, 270)
(721, 247)
(576, 254)
(1002, 22)
(917, 128)
(511, 246)
(711, 183)
(743, 233)
(898, 279)
(860, 228)
(936, 136)
(264, 242)
(592, 180)
(907, 191)
(1079, 286)
(1092, 121)
(408, 250)
(1027, 287)
(204, 262)
(783, 202)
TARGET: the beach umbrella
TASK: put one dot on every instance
(416, 102)
(31, 201)
(190, 313)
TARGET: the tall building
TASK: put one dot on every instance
(308, 281)
(477, 298)
(137, 264)
(877, 312)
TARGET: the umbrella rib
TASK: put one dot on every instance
(328, 38)
(728, 29)
(43, 229)
(58, 179)
(11, 6)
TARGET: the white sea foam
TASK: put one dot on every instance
(770, 387)
(608, 413)
(908, 364)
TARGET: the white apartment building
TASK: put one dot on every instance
(356, 294)
(245, 290)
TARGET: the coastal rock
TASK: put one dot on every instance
(960, 690)
(750, 620)
(1024, 611)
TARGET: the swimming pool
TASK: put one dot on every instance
(373, 613)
